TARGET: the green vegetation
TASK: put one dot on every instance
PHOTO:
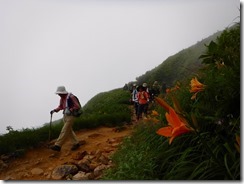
(210, 109)
(135, 159)
(204, 131)
(178, 66)
(105, 109)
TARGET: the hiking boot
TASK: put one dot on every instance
(55, 148)
(75, 146)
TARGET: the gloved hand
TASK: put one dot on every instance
(52, 111)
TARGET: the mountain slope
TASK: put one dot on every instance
(178, 66)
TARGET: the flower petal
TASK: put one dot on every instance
(162, 103)
(180, 130)
(172, 118)
(155, 113)
(194, 96)
(171, 140)
(165, 131)
(196, 86)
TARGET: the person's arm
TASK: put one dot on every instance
(60, 107)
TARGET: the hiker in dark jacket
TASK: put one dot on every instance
(68, 118)
(155, 91)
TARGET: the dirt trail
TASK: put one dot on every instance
(47, 159)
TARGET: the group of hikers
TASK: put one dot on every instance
(142, 95)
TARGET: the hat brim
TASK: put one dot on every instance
(63, 92)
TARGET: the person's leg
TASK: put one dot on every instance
(73, 136)
(136, 107)
(140, 110)
(66, 130)
(145, 110)
(75, 141)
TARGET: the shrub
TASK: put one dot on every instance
(209, 107)
(105, 109)
(135, 159)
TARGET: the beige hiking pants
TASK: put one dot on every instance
(67, 131)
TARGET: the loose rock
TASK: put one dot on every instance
(37, 171)
(63, 171)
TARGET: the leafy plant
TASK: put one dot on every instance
(209, 105)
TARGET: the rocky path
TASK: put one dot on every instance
(86, 163)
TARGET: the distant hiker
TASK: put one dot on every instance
(134, 98)
(143, 100)
(126, 87)
(144, 85)
(146, 89)
(68, 118)
(164, 87)
(155, 91)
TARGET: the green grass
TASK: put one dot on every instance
(105, 109)
(210, 152)
(135, 159)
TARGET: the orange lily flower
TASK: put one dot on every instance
(155, 113)
(238, 143)
(220, 64)
(176, 126)
(167, 90)
(150, 120)
(177, 86)
(155, 120)
(238, 139)
(196, 87)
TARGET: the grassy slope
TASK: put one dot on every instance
(179, 66)
(105, 109)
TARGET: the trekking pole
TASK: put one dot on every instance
(50, 128)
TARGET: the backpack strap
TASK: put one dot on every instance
(67, 98)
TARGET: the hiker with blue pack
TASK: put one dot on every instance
(71, 107)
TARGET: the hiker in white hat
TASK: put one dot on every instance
(134, 98)
(68, 118)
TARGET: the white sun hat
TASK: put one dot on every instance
(144, 84)
(61, 90)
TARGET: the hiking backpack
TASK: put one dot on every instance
(77, 112)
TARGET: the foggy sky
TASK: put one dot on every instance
(91, 46)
